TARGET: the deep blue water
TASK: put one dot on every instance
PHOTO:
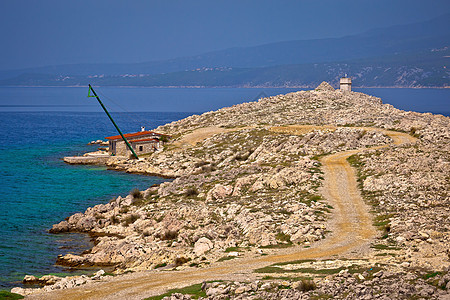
(190, 99)
(37, 130)
(436, 101)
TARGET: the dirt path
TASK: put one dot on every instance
(351, 227)
(201, 134)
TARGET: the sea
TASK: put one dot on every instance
(41, 125)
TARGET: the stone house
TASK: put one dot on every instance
(142, 142)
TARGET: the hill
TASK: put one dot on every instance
(269, 185)
(376, 58)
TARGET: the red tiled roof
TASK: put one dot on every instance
(135, 134)
(144, 140)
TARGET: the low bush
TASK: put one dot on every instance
(191, 192)
(306, 285)
(130, 219)
(10, 296)
(181, 261)
(168, 235)
(114, 219)
(283, 237)
(136, 194)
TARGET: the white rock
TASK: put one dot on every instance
(202, 246)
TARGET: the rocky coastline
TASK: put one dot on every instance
(251, 186)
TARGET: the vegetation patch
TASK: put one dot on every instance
(282, 237)
(168, 235)
(191, 192)
(277, 246)
(181, 261)
(286, 278)
(161, 265)
(306, 285)
(384, 247)
(130, 219)
(233, 249)
(5, 295)
(275, 269)
(296, 262)
(431, 275)
(195, 291)
(136, 194)
(114, 220)
(224, 258)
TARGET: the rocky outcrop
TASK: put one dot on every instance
(325, 86)
(51, 282)
(86, 160)
(254, 187)
(368, 284)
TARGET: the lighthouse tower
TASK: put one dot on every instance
(346, 83)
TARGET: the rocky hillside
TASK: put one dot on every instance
(246, 181)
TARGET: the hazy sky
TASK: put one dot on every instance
(47, 32)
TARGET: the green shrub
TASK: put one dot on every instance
(281, 236)
(195, 291)
(224, 258)
(160, 265)
(163, 138)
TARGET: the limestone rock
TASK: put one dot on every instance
(203, 245)
(325, 86)
(219, 192)
(62, 226)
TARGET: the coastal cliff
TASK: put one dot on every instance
(253, 179)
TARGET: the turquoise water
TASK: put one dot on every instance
(38, 189)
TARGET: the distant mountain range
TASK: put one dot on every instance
(414, 55)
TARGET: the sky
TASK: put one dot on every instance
(54, 32)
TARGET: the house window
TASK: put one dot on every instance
(141, 148)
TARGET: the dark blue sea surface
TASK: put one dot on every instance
(39, 126)
(436, 101)
(125, 99)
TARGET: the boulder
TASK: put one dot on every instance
(86, 223)
(73, 219)
(62, 226)
(49, 279)
(30, 279)
(98, 274)
(202, 246)
(219, 192)
(22, 291)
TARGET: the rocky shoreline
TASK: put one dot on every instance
(253, 186)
